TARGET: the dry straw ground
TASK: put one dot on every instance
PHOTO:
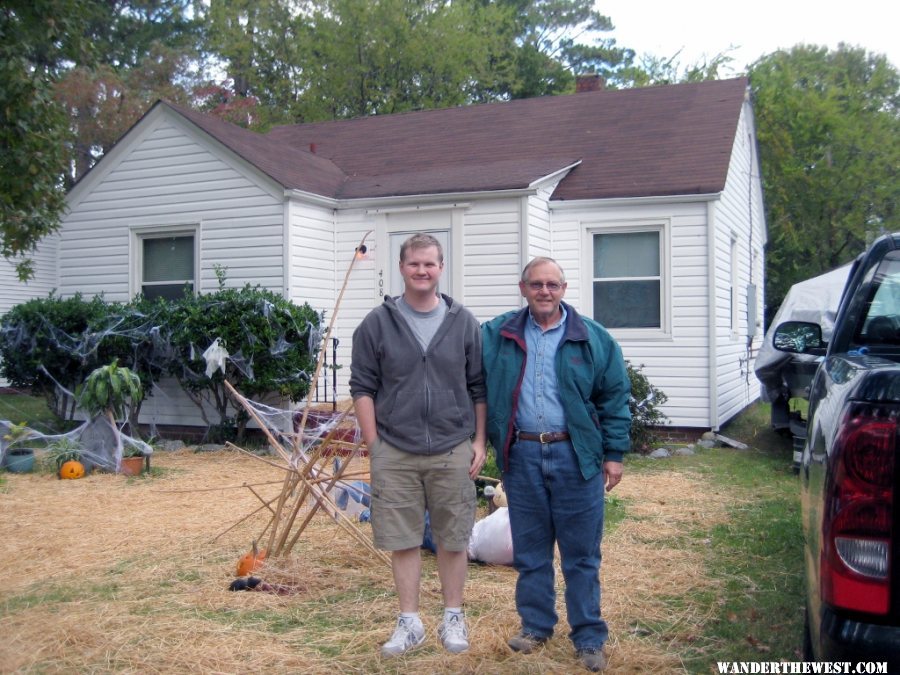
(108, 574)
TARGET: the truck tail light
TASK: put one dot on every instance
(856, 555)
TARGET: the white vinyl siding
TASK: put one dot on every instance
(540, 236)
(740, 233)
(14, 292)
(676, 359)
(169, 179)
(312, 276)
(493, 256)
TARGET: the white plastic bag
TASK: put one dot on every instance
(491, 540)
(215, 356)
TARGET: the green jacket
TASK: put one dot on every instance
(593, 382)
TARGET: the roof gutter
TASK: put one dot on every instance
(572, 204)
(403, 200)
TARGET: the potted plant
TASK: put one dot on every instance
(66, 455)
(133, 459)
(16, 457)
(108, 393)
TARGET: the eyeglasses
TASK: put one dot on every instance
(551, 286)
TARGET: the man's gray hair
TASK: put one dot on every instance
(421, 240)
(540, 260)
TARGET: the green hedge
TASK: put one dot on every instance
(50, 345)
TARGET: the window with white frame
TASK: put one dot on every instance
(627, 278)
(166, 264)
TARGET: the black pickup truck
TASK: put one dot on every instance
(850, 467)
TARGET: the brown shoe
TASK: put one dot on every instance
(592, 659)
(525, 643)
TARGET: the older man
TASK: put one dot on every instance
(418, 391)
(558, 418)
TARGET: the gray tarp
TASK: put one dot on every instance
(815, 300)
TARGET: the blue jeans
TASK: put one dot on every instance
(550, 502)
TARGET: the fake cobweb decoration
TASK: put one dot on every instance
(101, 443)
(315, 459)
(309, 455)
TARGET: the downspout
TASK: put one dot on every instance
(286, 245)
(712, 319)
(523, 238)
(288, 424)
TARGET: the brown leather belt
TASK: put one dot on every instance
(544, 437)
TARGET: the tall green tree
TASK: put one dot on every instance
(66, 95)
(388, 56)
(37, 39)
(142, 50)
(558, 39)
(328, 59)
(829, 140)
(263, 47)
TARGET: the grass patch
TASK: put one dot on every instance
(756, 555)
(33, 411)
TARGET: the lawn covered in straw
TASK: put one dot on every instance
(119, 574)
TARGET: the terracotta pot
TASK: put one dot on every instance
(131, 466)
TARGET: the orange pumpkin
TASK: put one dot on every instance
(250, 561)
(71, 469)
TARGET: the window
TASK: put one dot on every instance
(627, 279)
(878, 328)
(167, 264)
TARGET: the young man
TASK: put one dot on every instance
(558, 417)
(419, 396)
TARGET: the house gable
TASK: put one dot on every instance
(166, 176)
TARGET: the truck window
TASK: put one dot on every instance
(879, 328)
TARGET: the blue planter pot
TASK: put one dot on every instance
(19, 460)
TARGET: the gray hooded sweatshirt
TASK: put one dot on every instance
(424, 401)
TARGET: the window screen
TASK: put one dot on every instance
(168, 266)
(627, 280)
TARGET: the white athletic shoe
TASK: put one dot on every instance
(407, 636)
(454, 634)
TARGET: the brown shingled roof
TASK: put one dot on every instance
(668, 140)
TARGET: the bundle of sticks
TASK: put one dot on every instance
(309, 475)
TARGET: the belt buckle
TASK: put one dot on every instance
(548, 435)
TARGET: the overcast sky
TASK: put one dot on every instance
(704, 28)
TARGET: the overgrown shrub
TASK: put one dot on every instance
(272, 346)
(645, 412)
(52, 341)
(51, 345)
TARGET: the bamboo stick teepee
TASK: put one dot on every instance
(306, 460)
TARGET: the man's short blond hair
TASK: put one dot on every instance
(421, 240)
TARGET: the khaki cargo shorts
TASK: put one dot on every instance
(404, 485)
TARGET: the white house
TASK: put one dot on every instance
(649, 198)
(14, 292)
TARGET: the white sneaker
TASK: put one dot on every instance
(454, 634)
(407, 636)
